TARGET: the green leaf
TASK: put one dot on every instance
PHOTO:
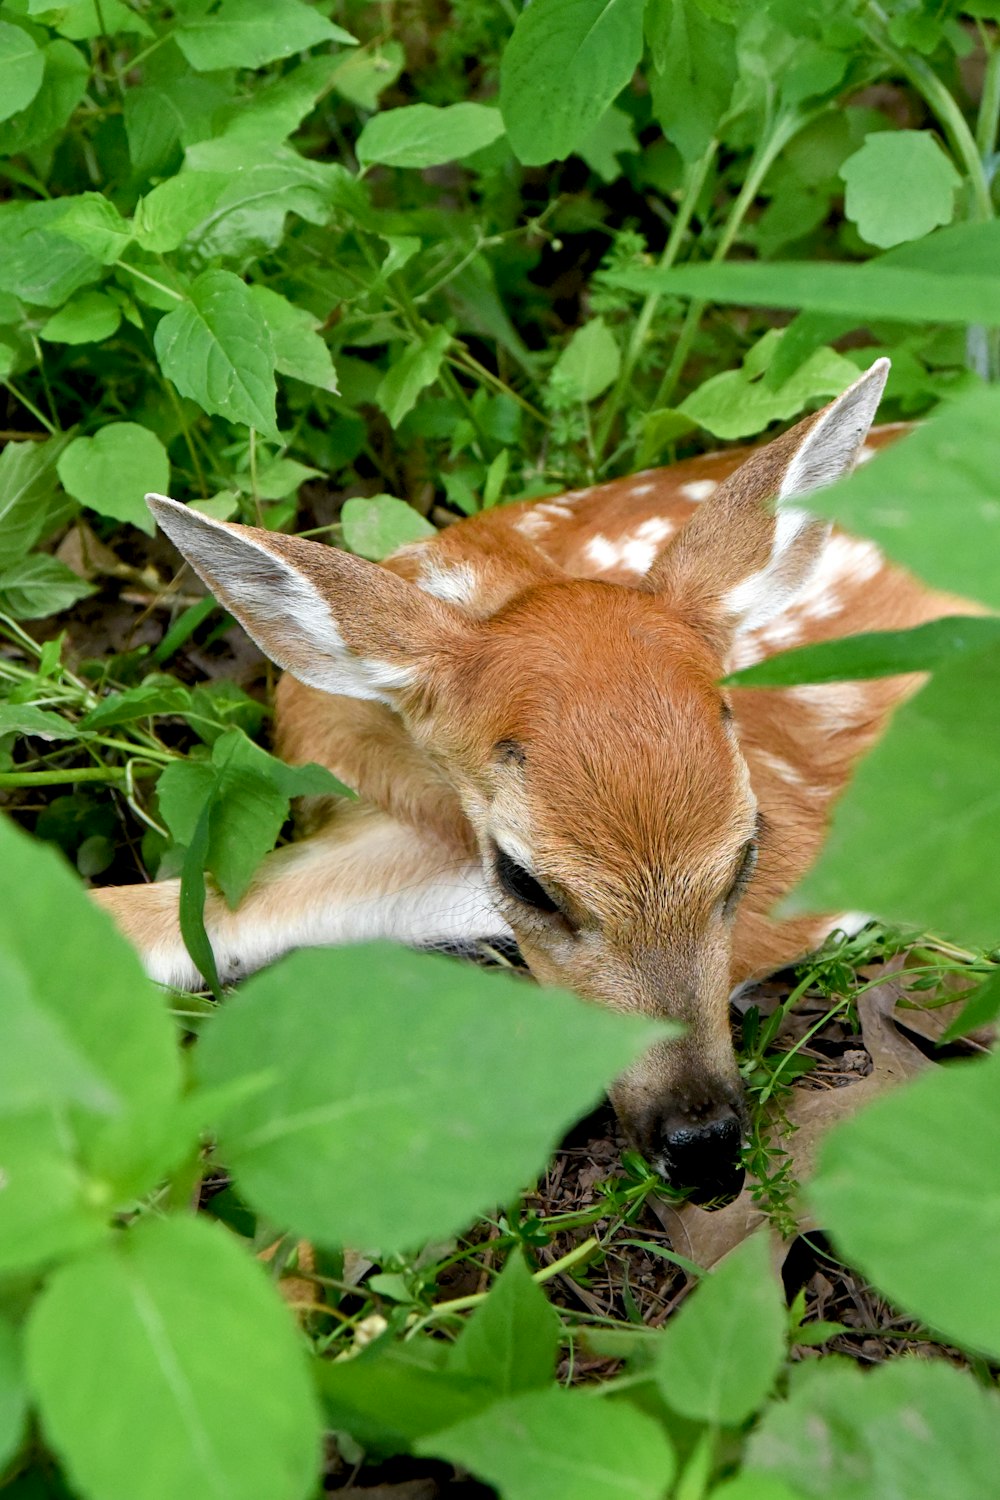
(21, 69)
(738, 403)
(980, 1009)
(159, 694)
(561, 1445)
(420, 1117)
(910, 1190)
(720, 1354)
(376, 526)
(93, 222)
(39, 264)
(112, 471)
(245, 34)
(64, 83)
(564, 64)
(883, 653)
(13, 1396)
(216, 348)
(277, 479)
(908, 1429)
(251, 210)
(87, 318)
(83, 20)
(165, 217)
(590, 361)
(217, 1401)
(747, 1486)
(363, 75)
(691, 85)
(299, 350)
(416, 369)
(27, 487)
(37, 586)
(424, 135)
(25, 718)
(50, 1207)
(390, 1395)
(172, 112)
(900, 186)
(909, 832)
(512, 1340)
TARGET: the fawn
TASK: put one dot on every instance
(528, 705)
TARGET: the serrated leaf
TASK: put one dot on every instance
(157, 695)
(694, 72)
(22, 65)
(590, 361)
(739, 403)
(27, 486)
(64, 82)
(416, 1117)
(39, 264)
(416, 369)
(564, 64)
(512, 1340)
(244, 34)
(37, 586)
(112, 471)
(87, 318)
(900, 186)
(376, 526)
(425, 135)
(561, 1445)
(216, 348)
(720, 1354)
(92, 221)
(299, 350)
(84, 19)
(250, 212)
(166, 216)
(218, 1394)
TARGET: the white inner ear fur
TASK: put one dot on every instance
(279, 607)
(828, 451)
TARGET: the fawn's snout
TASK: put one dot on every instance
(697, 1148)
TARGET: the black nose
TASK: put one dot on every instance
(702, 1153)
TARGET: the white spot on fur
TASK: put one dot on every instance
(699, 489)
(835, 706)
(760, 597)
(636, 550)
(866, 455)
(456, 582)
(844, 560)
(531, 524)
(554, 509)
(645, 488)
(781, 767)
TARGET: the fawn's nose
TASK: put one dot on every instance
(702, 1153)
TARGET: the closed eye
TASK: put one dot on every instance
(516, 882)
(742, 878)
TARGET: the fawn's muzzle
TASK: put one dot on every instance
(700, 1153)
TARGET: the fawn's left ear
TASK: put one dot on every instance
(333, 620)
(743, 556)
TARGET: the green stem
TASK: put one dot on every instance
(696, 176)
(988, 120)
(579, 1256)
(123, 265)
(29, 406)
(70, 776)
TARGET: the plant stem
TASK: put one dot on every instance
(70, 776)
(579, 1256)
(989, 113)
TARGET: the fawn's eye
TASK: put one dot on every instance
(515, 880)
(743, 877)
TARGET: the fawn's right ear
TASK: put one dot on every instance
(333, 620)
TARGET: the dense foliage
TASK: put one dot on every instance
(348, 270)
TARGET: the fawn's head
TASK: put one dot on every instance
(583, 729)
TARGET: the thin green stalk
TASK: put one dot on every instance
(578, 1256)
(988, 120)
(30, 406)
(696, 176)
(70, 776)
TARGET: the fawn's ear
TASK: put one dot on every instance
(333, 620)
(743, 556)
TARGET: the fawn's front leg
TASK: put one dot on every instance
(364, 876)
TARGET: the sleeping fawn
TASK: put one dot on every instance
(528, 705)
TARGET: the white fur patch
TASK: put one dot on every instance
(781, 767)
(835, 706)
(531, 524)
(636, 550)
(554, 509)
(756, 600)
(455, 582)
(699, 489)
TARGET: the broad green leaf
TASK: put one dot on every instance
(172, 112)
(157, 695)
(720, 1354)
(281, 104)
(896, 499)
(250, 212)
(39, 264)
(981, 1008)
(50, 1206)
(37, 586)
(376, 526)
(564, 64)
(87, 318)
(738, 403)
(299, 349)
(13, 1395)
(216, 348)
(905, 1430)
(590, 361)
(363, 75)
(424, 135)
(512, 1340)
(883, 653)
(694, 59)
(26, 718)
(416, 369)
(747, 1486)
(166, 216)
(215, 1398)
(277, 479)
(900, 185)
(561, 1445)
(21, 67)
(613, 136)
(112, 471)
(390, 1395)
(83, 20)
(92, 221)
(64, 82)
(909, 832)
(910, 1189)
(63, 1073)
(245, 34)
(27, 487)
(418, 1118)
